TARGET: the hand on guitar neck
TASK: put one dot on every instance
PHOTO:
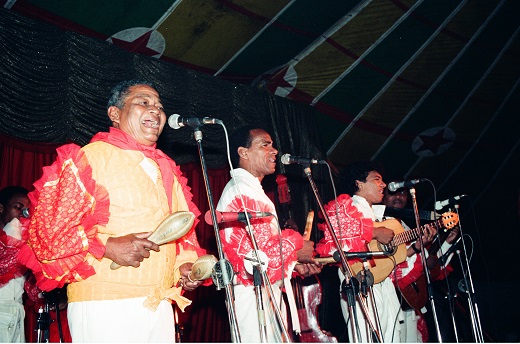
(442, 240)
(429, 232)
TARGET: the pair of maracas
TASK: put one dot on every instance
(172, 228)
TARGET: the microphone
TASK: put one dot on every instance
(288, 159)
(393, 186)
(176, 121)
(441, 204)
(25, 213)
(362, 255)
(234, 216)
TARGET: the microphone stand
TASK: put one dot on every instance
(425, 266)
(43, 322)
(348, 287)
(223, 265)
(450, 296)
(257, 282)
(260, 279)
(470, 290)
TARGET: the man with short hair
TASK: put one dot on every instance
(352, 216)
(98, 204)
(254, 157)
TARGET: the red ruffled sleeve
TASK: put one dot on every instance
(67, 206)
(10, 267)
(356, 230)
(410, 277)
(239, 243)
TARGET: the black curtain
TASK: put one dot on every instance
(55, 86)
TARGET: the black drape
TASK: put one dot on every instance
(55, 87)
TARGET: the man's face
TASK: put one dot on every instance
(142, 116)
(396, 199)
(372, 189)
(13, 208)
(260, 158)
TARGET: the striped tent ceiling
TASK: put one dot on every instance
(427, 87)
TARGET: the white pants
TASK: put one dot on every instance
(388, 311)
(12, 313)
(120, 321)
(12, 317)
(248, 319)
(411, 333)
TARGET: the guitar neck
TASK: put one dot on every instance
(413, 234)
(308, 225)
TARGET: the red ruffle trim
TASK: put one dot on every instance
(10, 267)
(240, 245)
(357, 231)
(410, 277)
(443, 273)
(67, 207)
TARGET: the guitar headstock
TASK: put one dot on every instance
(449, 219)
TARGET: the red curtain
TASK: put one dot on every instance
(206, 319)
(22, 161)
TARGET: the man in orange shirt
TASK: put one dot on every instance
(98, 204)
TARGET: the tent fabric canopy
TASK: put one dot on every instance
(432, 80)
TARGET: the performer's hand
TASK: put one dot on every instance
(185, 281)
(308, 269)
(306, 253)
(383, 234)
(131, 249)
(452, 235)
(429, 234)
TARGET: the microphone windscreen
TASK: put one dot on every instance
(173, 121)
(286, 159)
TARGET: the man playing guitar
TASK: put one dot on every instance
(409, 278)
(407, 272)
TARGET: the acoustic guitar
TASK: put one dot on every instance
(415, 295)
(381, 267)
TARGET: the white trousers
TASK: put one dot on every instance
(411, 333)
(12, 313)
(248, 318)
(388, 310)
(123, 321)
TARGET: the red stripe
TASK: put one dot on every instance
(38, 13)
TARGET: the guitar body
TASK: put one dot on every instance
(309, 292)
(415, 294)
(381, 267)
